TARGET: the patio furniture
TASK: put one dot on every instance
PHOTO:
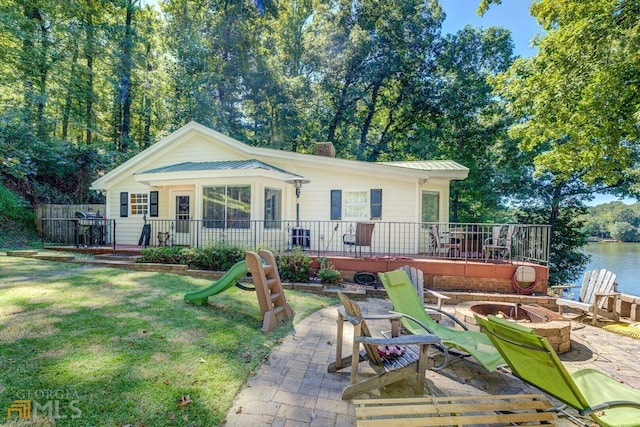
(389, 369)
(589, 391)
(459, 343)
(498, 244)
(470, 239)
(416, 277)
(438, 245)
(597, 286)
(487, 409)
(361, 237)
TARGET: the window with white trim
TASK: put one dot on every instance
(430, 206)
(356, 204)
(139, 203)
(272, 207)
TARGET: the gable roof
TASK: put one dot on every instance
(216, 166)
(443, 169)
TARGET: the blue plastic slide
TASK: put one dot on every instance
(230, 278)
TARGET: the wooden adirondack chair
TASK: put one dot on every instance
(388, 369)
(597, 286)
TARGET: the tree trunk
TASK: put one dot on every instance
(89, 52)
(123, 106)
(70, 95)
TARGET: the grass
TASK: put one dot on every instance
(107, 347)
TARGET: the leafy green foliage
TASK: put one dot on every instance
(576, 97)
(327, 272)
(166, 255)
(16, 221)
(218, 257)
(294, 266)
(566, 261)
(615, 220)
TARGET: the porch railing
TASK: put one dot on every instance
(458, 241)
(387, 239)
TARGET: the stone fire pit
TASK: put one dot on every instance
(554, 327)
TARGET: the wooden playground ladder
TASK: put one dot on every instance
(271, 298)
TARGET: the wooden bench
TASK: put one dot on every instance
(533, 409)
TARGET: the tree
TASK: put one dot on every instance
(470, 124)
(375, 61)
(579, 97)
(624, 231)
(123, 91)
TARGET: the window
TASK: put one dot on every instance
(139, 203)
(227, 206)
(430, 206)
(272, 207)
(356, 204)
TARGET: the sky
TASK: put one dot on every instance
(511, 14)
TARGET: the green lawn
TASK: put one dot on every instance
(106, 347)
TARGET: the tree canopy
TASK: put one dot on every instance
(579, 97)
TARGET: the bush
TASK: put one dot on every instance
(165, 255)
(13, 206)
(294, 267)
(328, 273)
(218, 257)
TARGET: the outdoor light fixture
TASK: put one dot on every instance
(297, 183)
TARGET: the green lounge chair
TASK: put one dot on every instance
(532, 359)
(416, 321)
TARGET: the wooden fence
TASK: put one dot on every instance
(62, 211)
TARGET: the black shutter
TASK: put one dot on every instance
(124, 204)
(376, 203)
(153, 203)
(336, 204)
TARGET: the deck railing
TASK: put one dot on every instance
(460, 241)
(321, 238)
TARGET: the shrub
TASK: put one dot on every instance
(165, 255)
(217, 257)
(328, 273)
(294, 267)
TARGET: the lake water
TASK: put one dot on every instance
(621, 258)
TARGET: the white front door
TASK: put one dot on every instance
(182, 207)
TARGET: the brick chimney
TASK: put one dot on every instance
(325, 149)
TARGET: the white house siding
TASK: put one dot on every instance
(401, 190)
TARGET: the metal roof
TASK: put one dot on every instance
(217, 166)
(429, 165)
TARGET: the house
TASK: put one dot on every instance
(196, 185)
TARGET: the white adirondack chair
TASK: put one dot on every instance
(597, 287)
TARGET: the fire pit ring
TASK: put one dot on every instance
(554, 327)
